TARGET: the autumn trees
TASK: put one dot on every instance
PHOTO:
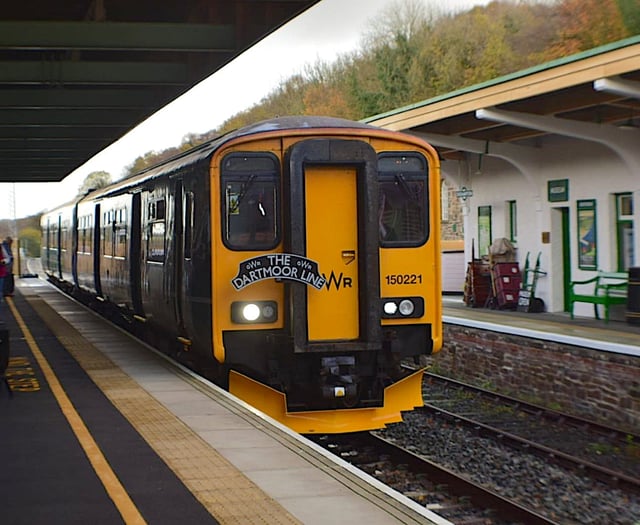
(412, 53)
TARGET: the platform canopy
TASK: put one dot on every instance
(75, 76)
(593, 95)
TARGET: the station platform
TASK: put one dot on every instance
(101, 429)
(616, 336)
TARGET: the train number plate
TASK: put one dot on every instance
(404, 278)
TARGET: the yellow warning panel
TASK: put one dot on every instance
(403, 395)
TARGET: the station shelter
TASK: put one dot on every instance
(548, 158)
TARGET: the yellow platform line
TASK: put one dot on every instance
(112, 485)
(227, 494)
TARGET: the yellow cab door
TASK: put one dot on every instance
(332, 188)
(332, 241)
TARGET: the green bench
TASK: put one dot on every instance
(609, 288)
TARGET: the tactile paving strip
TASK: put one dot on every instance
(223, 490)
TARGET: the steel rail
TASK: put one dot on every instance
(482, 498)
(606, 475)
(555, 415)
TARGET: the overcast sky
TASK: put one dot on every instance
(329, 28)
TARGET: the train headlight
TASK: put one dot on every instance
(400, 307)
(250, 312)
(406, 307)
(254, 312)
(390, 307)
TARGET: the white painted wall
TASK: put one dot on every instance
(594, 171)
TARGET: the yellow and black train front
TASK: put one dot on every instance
(326, 273)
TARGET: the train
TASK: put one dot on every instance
(295, 262)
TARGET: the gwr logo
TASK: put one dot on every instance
(340, 281)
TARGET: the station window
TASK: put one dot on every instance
(484, 229)
(512, 218)
(624, 229)
(403, 197)
(250, 185)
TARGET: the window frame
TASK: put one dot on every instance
(251, 176)
(485, 229)
(625, 230)
(407, 177)
(156, 217)
(512, 207)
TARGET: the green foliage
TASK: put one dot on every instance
(412, 53)
(630, 13)
(585, 24)
(94, 181)
(29, 239)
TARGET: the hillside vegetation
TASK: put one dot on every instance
(410, 54)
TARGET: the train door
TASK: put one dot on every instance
(566, 257)
(330, 196)
(560, 258)
(58, 233)
(48, 263)
(74, 245)
(135, 254)
(178, 255)
(97, 256)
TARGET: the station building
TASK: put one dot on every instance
(547, 158)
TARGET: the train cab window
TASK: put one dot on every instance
(250, 186)
(403, 217)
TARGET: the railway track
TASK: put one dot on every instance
(450, 495)
(487, 458)
(607, 454)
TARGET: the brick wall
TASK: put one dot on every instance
(601, 386)
(451, 228)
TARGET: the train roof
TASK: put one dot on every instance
(202, 152)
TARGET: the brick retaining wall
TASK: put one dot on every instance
(601, 386)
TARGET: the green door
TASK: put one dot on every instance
(566, 256)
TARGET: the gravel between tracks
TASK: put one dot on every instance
(551, 490)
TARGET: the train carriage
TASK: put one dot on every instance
(295, 261)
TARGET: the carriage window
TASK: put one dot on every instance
(156, 230)
(120, 234)
(250, 190)
(402, 205)
(84, 235)
(156, 242)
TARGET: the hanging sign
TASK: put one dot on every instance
(558, 190)
(464, 193)
(286, 266)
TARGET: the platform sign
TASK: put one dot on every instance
(558, 190)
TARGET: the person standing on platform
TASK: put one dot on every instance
(3, 266)
(7, 267)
